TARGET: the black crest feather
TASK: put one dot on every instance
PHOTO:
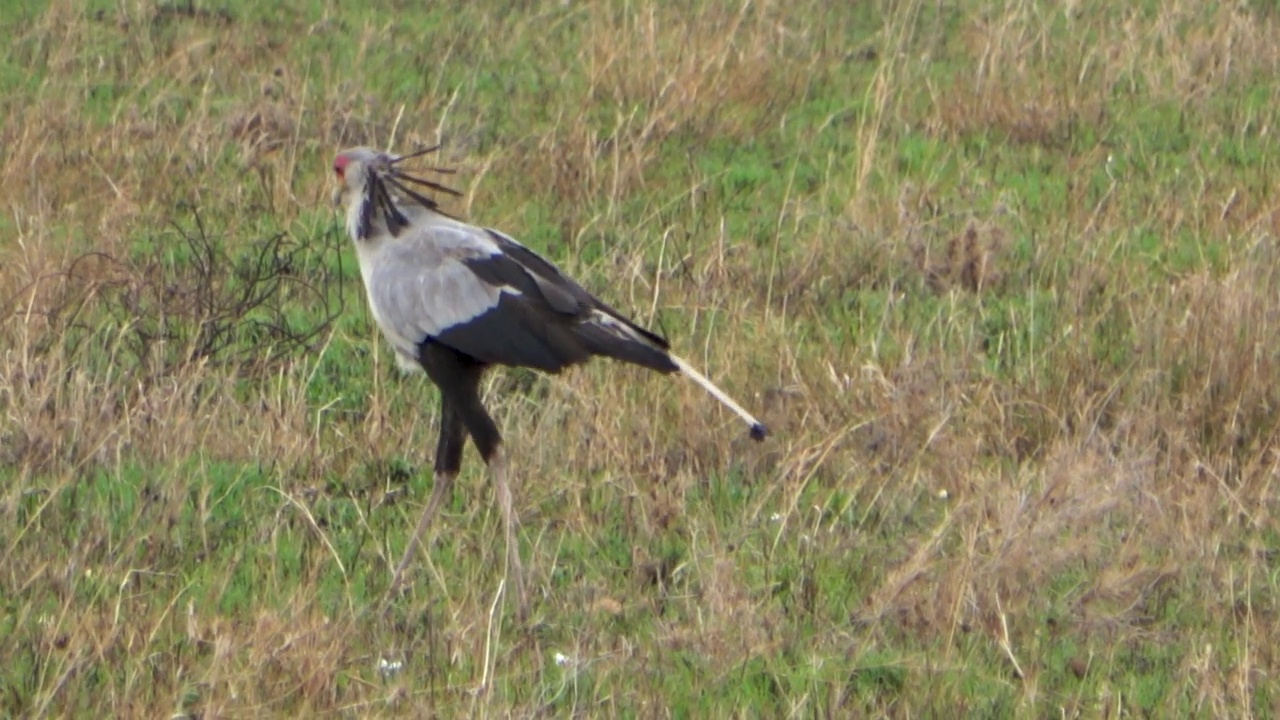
(378, 199)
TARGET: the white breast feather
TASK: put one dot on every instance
(418, 285)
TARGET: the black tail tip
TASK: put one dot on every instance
(759, 432)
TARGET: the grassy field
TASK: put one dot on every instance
(1004, 279)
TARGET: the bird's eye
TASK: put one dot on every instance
(340, 166)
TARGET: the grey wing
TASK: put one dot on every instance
(522, 266)
(433, 287)
(414, 300)
(563, 293)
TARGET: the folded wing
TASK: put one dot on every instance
(485, 295)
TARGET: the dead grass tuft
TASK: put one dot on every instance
(261, 129)
(970, 260)
(684, 70)
(1074, 545)
(1220, 348)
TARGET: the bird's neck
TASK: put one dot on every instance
(357, 228)
(367, 220)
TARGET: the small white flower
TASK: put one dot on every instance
(943, 494)
(563, 660)
(776, 517)
(387, 668)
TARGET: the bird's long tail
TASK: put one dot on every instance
(613, 336)
(758, 429)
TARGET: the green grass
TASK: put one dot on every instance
(1000, 278)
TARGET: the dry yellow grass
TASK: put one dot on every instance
(1002, 280)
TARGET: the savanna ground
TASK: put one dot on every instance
(1002, 277)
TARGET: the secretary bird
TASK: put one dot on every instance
(454, 299)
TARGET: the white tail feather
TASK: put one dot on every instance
(758, 430)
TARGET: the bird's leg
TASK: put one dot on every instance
(458, 377)
(443, 484)
(448, 461)
(498, 465)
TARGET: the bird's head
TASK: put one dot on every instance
(375, 191)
